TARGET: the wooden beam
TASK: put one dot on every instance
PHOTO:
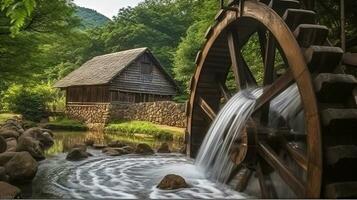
(266, 152)
(206, 108)
(244, 179)
(274, 89)
(297, 155)
(265, 183)
(224, 90)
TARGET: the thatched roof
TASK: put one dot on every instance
(101, 69)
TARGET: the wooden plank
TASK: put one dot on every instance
(266, 152)
(207, 109)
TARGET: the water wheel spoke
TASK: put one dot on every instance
(224, 91)
(206, 108)
(233, 173)
(266, 152)
(297, 154)
(269, 61)
(244, 178)
(241, 71)
(274, 89)
(265, 183)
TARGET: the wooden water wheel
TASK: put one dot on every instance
(321, 161)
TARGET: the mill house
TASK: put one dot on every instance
(125, 77)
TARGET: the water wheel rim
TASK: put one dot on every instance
(301, 75)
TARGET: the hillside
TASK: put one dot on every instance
(91, 18)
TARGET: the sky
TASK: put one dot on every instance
(108, 8)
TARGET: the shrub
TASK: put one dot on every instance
(31, 102)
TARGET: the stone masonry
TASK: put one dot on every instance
(162, 112)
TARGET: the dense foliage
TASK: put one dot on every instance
(42, 41)
(32, 102)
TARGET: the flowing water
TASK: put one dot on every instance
(136, 176)
(123, 177)
(213, 157)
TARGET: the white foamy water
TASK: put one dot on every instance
(123, 177)
(213, 157)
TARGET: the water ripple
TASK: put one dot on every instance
(124, 177)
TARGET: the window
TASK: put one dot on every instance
(146, 72)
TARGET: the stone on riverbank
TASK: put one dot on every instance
(5, 157)
(32, 146)
(129, 149)
(172, 182)
(99, 146)
(164, 148)
(44, 136)
(144, 149)
(7, 133)
(116, 144)
(21, 167)
(8, 191)
(3, 145)
(77, 154)
(3, 175)
(11, 144)
(115, 151)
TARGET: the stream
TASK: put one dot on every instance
(123, 177)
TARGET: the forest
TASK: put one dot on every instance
(42, 41)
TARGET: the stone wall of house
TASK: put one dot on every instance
(161, 112)
(89, 114)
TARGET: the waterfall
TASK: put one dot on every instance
(213, 157)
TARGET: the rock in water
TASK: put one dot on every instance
(8, 191)
(172, 182)
(3, 145)
(44, 136)
(21, 168)
(144, 149)
(164, 148)
(116, 144)
(32, 146)
(77, 154)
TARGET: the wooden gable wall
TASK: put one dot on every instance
(143, 76)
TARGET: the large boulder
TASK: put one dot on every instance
(21, 168)
(8, 191)
(32, 146)
(128, 149)
(144, 149)
(164, 148)
(3, 145)
(5, 157)
(44, 136)
(13, 124)
(116, 144)
(115, 151)
(172, 182)
(8, 133)
(11, 144)
(77, 154)
(3, 175)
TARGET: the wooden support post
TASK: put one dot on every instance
(343, 23)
